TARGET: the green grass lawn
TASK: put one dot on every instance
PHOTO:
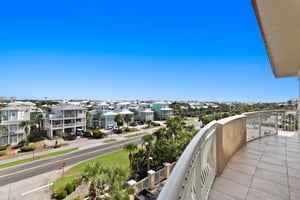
(135, 135)
(36, 158)
(118, 157)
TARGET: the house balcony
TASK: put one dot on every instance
(250, 156)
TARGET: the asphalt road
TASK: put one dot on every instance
(14, 174)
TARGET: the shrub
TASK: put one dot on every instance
(70, 187)
(127, 129)
(62, 135)
(98, 134)
(62, 194)
(32, 138)
(27, 148)
(77, 198)
(155, 124)
(22, 143)
(3, 147)
(2, 153)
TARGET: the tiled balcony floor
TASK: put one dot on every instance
(267, 168)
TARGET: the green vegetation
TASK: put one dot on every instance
(27, 148)
(164, 145)
(98, 134)
(106, 180)
(135, 135)
(2, 153)
(112, 159)
(36, 158)
(110, 140)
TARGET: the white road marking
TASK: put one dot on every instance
(36, 189)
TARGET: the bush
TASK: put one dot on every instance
(27, 148)
(77, 198)
(62, 194)
(63, 135)
(155, 124)
(32, 138)
(22, 143)
(3, 147)
(127, 129)
(2, 153)
(70, 187)
(98, 134)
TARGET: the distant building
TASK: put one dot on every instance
(65, 118)
(108, 120)
(11, 117)
(147, 115)
(163, 110)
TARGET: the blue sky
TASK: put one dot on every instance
(136, 50)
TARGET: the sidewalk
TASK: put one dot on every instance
(80, 143)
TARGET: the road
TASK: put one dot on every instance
(14, 174)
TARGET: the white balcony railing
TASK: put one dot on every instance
(195, 170)
(194, 173)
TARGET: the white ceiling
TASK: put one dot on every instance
(279, 22)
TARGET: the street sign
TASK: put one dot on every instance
(63, 164)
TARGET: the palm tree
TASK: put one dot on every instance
(98, 114)
(148, 142)
(38, 119)
(127, 118)
(103, 177)
(130, 147)
(26, 125)
(88, 118)
(119, 120)
(149, 123)
(3, 128)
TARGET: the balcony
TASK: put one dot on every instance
(251, 156)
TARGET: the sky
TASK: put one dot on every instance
(136, 50)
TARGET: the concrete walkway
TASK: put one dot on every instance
(80, 143)
(267, 169)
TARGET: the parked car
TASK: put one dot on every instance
(87, 134)
(79, 132)
(72, 136)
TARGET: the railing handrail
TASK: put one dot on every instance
(173, 188)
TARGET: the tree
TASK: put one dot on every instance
(148, 142)
(105, 179)
(130, 147)
(127, 118)
(149, 123)
(3, 129)
(38, 119)
(119, 120)
(88, 118)
(98, 114)
(136, 114)
(26, 125)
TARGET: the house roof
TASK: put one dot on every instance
(65, 106)
(109, 114)
(278, 21)
(147, 111)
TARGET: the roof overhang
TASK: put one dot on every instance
(279, 23)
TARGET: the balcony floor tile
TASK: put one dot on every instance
(267, 168)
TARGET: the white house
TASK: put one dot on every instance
(146, 115)
(65, 118)
(11, 117)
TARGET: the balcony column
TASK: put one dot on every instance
(132, 184)
(298, 113)
(151, 179)
(167, 168)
